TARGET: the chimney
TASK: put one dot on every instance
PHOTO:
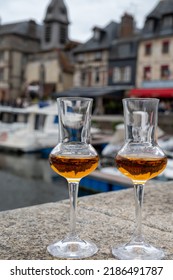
(127, 25)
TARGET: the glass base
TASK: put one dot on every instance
(72, 248)
(137, 251)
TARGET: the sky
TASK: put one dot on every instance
(83, 14)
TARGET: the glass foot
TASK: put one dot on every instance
(72, 248)
(137, 251)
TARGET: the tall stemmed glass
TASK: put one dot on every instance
(73, 158)
(140, 159)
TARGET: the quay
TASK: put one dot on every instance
(106, 218)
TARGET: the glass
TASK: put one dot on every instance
(73, 158)
(140, 159)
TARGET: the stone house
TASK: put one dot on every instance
(35, 60)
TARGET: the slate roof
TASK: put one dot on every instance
(57, 11)
(164, 7)
(20, 28)
(109, 33)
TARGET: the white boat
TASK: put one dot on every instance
(117, 140)
(31, 129)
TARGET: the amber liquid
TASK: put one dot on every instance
(75, 167)
(140, 169)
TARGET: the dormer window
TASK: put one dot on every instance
(150, 25)
(97, 34)
(167, 21)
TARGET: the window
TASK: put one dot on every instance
(124, 50)
(167, 21)
(116, 77)
(165, 72)
(148, 48)
(150, 25)
(97, 76)
(127, 74)
(83, 75)
(122, 74)
(96, 34)
(98, 56)
(1, 56)
(147, 73)
(165, 47)
(1, 74)
(42, 73)
(63, 34)
(48, 31)
(80, 57)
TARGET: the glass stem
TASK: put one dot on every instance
(73, 194)
(139, 193)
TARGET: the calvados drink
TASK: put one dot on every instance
(73, 167)
(140, 168)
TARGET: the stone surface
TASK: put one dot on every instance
(106, 218)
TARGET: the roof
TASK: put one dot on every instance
(163, 7)
(57, 11)
(22, 28)
(65, 62)
(109, 33)
(93, 91)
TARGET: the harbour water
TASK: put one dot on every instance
(26, 180)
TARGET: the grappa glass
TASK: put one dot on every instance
(140, 159)
(73, 158)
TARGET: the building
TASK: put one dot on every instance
(105, 65)
(123, 55)
(17, 41)
(155, 53)
(35, 60)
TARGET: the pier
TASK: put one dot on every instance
(106, 218)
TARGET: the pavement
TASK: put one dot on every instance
(106, 218)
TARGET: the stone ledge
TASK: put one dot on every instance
(106, 218)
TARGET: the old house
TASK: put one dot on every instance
(35, 60)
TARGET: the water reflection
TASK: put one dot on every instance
(27, 179)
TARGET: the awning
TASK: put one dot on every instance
(115, 91)
(151, 92)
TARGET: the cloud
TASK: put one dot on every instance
(83, 14)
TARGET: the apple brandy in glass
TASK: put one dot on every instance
(140, 159)
(73, 158)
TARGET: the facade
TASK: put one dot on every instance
(155, 51)
(91, 58)
(107, 62)
(123, 54)
(36, 60)
(17, 41)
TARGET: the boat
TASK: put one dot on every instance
(29, 129)
(164, 141)
(35, 128)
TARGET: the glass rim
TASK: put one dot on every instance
(74, 98)
(142, 98)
